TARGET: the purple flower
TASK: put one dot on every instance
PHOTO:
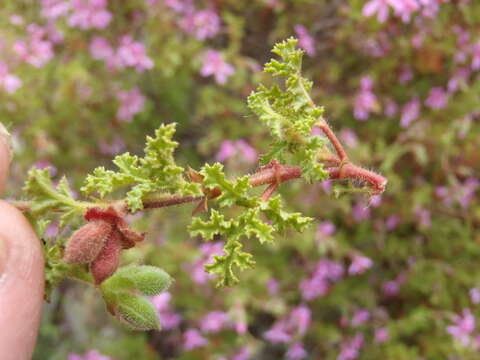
(476, 56)
(89, 14)
(391, 108)
(214, 322)
(53, 9)
(242, 354)
(360, 212)
(475, 295)
(365, 101)
(227, 150)
(132, 53)
(392, 222)
(459, 78)
(462, 328)
(305, 40)
(348, 137)
(381, 335)
(359, 265)
(314, 287)
(379, 7)
(204, 24)
(437, 98)
(131, 103)
(410, 112)
(350, 350)
(296, 352)
(37, 50)
(278, 333)
(100, 49)
(192, 339)
(8, 81)
(300, 319)
(326, 273)
(248, 153)
(169, 318)
(360, 317)
(208, 250)
(325, 229)
(213, 64)
(272, 286)
(391, 288)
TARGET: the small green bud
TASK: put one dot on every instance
(149, 280)
(136, 312)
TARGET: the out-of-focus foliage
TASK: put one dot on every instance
(396, 278)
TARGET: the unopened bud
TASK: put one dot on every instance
(86, 243)
(106, 263)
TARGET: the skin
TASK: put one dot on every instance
(21, 275)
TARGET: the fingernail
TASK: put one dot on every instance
(7, 139)
(3, 256)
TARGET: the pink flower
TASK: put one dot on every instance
(131, 103)
(325, 229)
(278, 334)
(475, 295)
(349, 138)
(192, 339)
(53, 9)
(213, 64)
(296, 352)
(89, 14)
(365, 101)
(360, 212)
(133, 54)
(204, 24)
(379, 7)
(381, 335)
(305, 40)
(300, 319)
(360, 317)
(100, 49)
(208, 250)
(437, 98)
(462, 328)
(326, 273)
(350, 350)
(169, 318)
(272, 286)
(359, 265)
(424, 217)
(8, 81)
(214, 322)
(229, 149)
(410, 112)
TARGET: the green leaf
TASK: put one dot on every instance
(233, 193)
(45, 196)
(251, 224)
(208, 229)
(155, 172)
(223, 265)
(282, 220)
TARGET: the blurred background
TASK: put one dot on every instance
(391, 278)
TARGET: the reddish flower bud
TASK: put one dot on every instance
(86, 243)
(106, 263)
(130, 237)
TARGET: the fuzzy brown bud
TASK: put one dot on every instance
(86, 243)
(106, 263)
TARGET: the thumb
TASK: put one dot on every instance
(21, 275)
